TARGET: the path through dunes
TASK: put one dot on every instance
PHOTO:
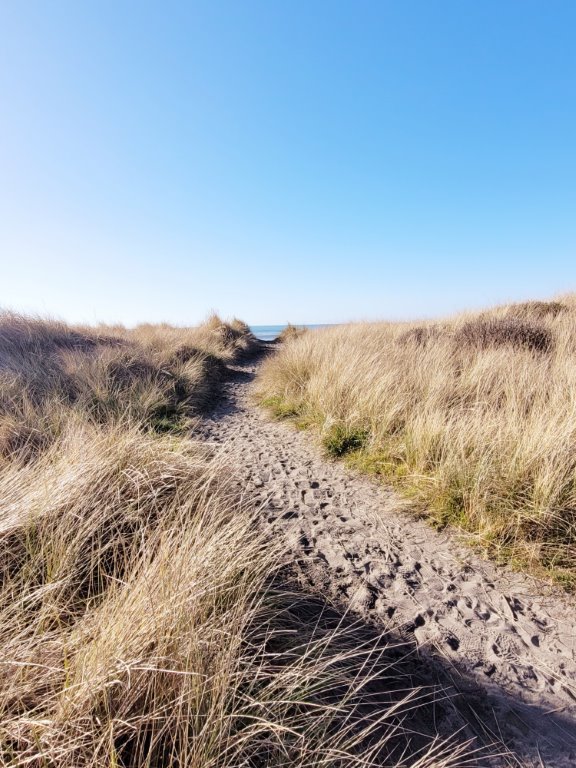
(494, 639)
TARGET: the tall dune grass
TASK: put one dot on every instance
(158, 377)
(143, 620)
(474, 417)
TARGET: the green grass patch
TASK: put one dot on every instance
(340, 440)
(279, 407)
(377, 463)
(169, 424)
(565, 579)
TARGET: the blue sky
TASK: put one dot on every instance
(311, 160)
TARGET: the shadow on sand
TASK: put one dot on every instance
(484, 725)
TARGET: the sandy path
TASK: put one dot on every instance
(505, 647)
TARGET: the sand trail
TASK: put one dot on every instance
(503, 644)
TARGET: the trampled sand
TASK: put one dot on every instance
(500, 645)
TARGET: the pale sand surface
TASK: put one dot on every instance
(501, 644)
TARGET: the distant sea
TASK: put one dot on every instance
(271, 332)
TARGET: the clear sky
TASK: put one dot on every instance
(305, 160)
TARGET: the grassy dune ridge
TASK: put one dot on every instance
(155, 376)
(474, 417)
(142, 620)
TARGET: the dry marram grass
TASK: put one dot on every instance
(142, 619)
(474, 416)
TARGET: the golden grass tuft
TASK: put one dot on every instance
(472, 416)
(291, 332)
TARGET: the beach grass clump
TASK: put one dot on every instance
(471, 417)
(291, 332)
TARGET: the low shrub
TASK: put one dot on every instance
(483, 333)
